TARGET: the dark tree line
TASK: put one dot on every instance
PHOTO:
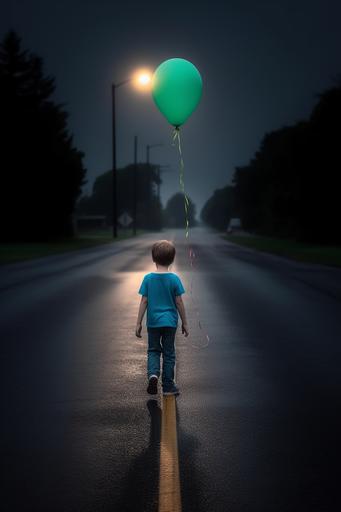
(219, 208)
(148, 208)
(150, 214)
(175, 213)
(41, 170)
(290, 186)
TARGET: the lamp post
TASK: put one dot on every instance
(141, 79)
(114, 170)
(135, 185)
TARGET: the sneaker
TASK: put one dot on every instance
(152, 386)
(173, 390)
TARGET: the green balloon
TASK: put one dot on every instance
(176, 89)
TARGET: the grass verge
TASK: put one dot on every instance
(323, 255)
(14, 252)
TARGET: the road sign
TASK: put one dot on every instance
(125, 219)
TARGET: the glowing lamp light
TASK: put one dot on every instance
(142, 79)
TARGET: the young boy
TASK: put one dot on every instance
(161, 295)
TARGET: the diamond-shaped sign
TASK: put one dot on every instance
(125, 219)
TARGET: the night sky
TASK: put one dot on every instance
(263, 63)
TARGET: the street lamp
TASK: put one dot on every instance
(141, 79)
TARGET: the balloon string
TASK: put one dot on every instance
(176, 136)
(181, 178)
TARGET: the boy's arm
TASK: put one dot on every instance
(182, 312)
(142, 310)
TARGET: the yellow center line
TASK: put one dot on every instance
(169, 483)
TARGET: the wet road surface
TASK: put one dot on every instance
(259, 416)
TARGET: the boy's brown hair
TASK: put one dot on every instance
(163, 253)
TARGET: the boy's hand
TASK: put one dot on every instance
(185, 330)
(138, 330)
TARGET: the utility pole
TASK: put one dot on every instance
(135, 186)
(147, 150)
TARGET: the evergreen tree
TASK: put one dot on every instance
(41, 170)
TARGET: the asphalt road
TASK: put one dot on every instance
(259, 415)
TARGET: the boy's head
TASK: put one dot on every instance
(163, 253)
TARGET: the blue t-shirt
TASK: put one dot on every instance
(161, 288)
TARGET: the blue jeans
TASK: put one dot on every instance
(161, 340)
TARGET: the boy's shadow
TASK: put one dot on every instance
(140, 487)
